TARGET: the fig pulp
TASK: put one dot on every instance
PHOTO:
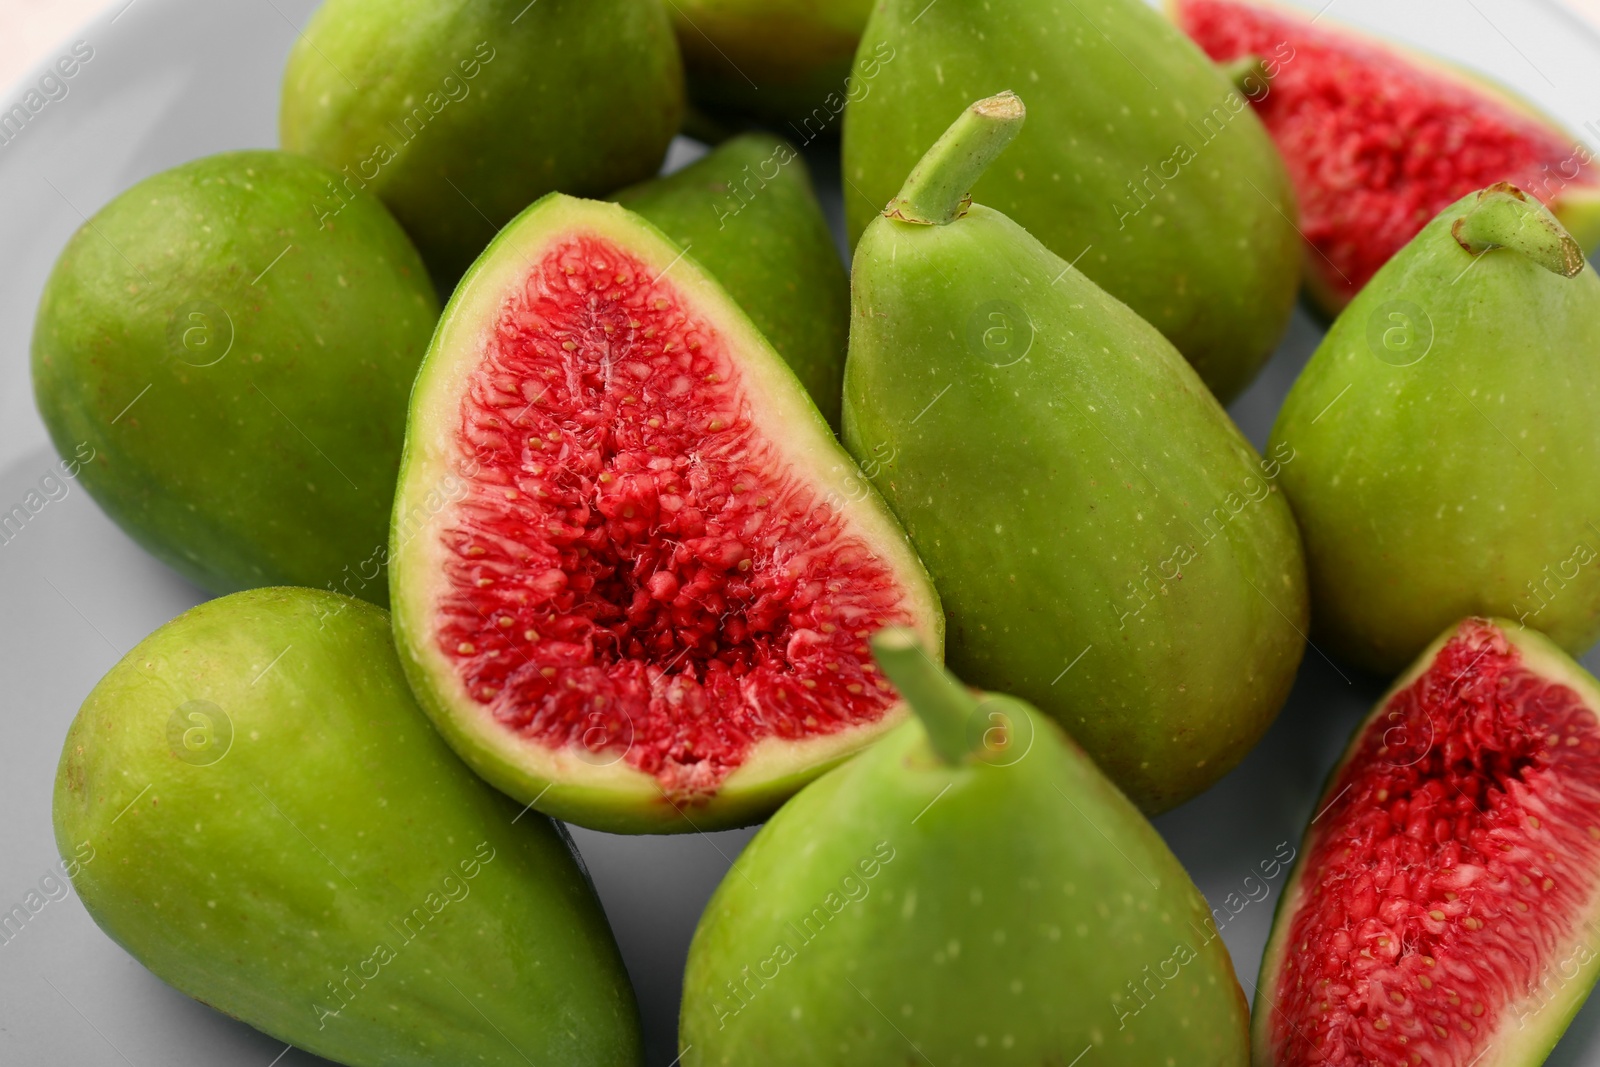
(238, 371)
(278, 832)
(1448, 453)
(747, 213)
(1378, 140)
(969, 891)
(634, 573)
(1445, 907)
(1107, 545)
(1141, 165)
(460, 113)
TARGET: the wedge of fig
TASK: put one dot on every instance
(1378, 139)
(634, 573)
(1447, 903)
(747, 212)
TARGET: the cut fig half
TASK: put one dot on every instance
(1379, 138)
(1445, 909)
(633, 573)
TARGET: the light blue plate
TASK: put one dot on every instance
(169, 80)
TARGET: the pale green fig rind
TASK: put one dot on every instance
(1006, 906)
(615, 797)
(778, 60)
(1212, 259)
(1440, 489)
(335, 821)
(233, 374)
(748, 214)
(1533, 1042)
(1043, 495)
(460, 114)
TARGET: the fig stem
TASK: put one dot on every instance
(1504, 216)
(939, 189)
(943, 704)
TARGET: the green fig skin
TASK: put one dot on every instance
(313, 860)
(234, 374)
(778, 60)
(904, 910)
(1172, 199)
(747, 213)
(1106, 544)
(1461, 481)
(460, 114)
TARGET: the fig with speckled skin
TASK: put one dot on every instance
(1141, 163)
(238, 370)
(969, 891)
(1107, 545)
(275, 830)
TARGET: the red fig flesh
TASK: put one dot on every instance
(1379, 140)
(1443, 910)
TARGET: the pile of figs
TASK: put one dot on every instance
(536, 487)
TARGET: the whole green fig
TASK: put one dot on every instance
(1141, 164)
(1107, 545)
(277, 832)
(970, 890)
(460, 113)
(748, 214)
(1449, 461)
(779, 60)
(236, 372)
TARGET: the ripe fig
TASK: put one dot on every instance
(778, 60)
(1447, 442)
(1379, 139)
(1107, 545)
(633, 571)
(460, 113)
(1141, 164)
(235, 373)
(970, 890)
(275, 830)
(747, 213)
(1446, 905)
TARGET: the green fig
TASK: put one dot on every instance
(273, 828)
(232, 375)
(779, 60)
(1106, 544)
(748, 214)
(1142, 164)
(1448, 460)
(459, 114)
(970, 890)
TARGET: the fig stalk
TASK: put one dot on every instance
(939, 188)
(942, 703)
(1504, 217)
